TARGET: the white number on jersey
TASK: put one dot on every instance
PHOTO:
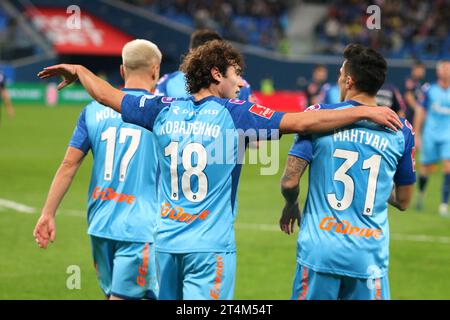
(110, 136)
(186, 159)
(351, 157)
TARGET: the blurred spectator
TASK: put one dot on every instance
(409, 29)
(14, 43)
(390, 96)
(314, 86)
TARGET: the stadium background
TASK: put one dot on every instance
(281, 41)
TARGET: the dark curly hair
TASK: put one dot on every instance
(202, 36)
(197, 64)
(367, 68)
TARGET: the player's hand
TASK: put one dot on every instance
(385, 116)
(290, 214)
(67, 71)
(45, 230)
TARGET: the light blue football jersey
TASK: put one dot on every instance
(200, 145)
(122, 197)
(344, 228)
(174, 85)
(437, 104)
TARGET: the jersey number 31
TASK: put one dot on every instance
(351, 157)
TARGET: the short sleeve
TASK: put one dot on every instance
(248, 117)
(80, 137)
(302, 148)
(406, 173)
(143, 110)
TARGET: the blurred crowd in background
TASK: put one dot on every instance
(14, 44)
(410, 29)
(257, 22)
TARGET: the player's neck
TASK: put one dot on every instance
(362, 98)
(139, 83)
(205, 92)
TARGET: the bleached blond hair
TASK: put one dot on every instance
(140, 53)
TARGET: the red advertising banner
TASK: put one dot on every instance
(78, 32)
(288, 101)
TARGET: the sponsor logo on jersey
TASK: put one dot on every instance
(237, 101)
(110, 194)
(168, 99)
(178, 214)
(313, 107)
(175, 109)
(261, 111)
(329, 224)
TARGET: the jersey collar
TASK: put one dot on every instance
(353, 103)
(208, 98)
(137, 89)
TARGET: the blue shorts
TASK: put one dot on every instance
(125, 269)
(196, 276)
(434, 148)
(311, 285)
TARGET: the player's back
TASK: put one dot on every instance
(345, 226)
(202, 141)
(123, 202)
(200, 144)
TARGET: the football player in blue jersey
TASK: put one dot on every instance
(343, 242)
(174, 84)
(432, 125)
(200, 155)
(122, 198)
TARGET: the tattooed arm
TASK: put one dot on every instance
(401, 196)
(295, 167)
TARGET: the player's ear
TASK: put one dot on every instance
(122, 72)
(215, 73)
(155, 72)
(349, 82)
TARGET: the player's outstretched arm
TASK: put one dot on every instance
(401, 196)
(327, 120)
(98, 89)
(45, 229)
(295, 167)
